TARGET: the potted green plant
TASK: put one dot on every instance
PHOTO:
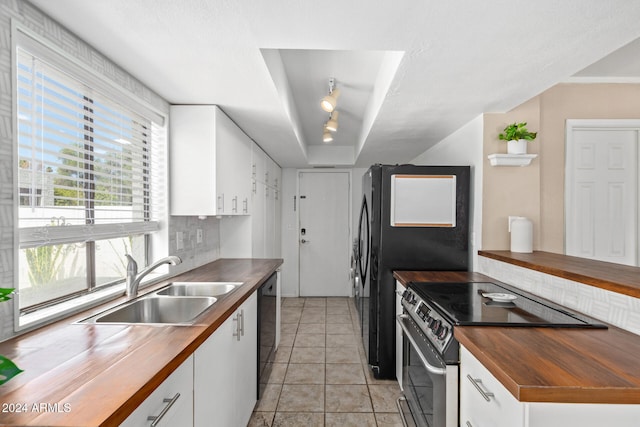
(517, 135)
(8, 369)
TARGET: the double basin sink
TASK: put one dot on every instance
(178, 303)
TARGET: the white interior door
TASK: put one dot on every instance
(324, 233)
(601, 215)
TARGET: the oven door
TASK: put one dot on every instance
(430, 386)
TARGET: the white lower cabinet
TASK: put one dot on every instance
(485, 402)
(225, 370)
(171, 404)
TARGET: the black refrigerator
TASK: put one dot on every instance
(411, 218)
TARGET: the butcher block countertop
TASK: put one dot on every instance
(550, 364)
(96, 375)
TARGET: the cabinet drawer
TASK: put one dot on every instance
(174, 396)
(484, 402)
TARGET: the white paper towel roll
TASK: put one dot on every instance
(521, 229)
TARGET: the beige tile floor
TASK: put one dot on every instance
(320, 376)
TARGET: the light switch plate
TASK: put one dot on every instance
(199, 235)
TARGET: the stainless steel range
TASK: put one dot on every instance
(431, 354)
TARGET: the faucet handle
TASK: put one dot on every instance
(132, 265)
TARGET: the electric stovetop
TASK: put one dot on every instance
(490, 304)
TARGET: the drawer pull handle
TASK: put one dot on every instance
(476, 383)
(237, 331)
(156, 419)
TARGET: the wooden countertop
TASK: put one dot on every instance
(623, 279)
(99, 374)
(550, 364)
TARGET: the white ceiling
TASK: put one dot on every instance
(411, 72)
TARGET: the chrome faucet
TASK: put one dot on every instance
(133, 278)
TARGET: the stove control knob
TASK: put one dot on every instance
(442, 332)
(409, 297)
(435, 327)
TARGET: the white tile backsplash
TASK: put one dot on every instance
(616, 309)
(194, 254)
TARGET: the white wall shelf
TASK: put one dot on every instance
(511, 159)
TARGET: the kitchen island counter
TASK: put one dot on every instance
(97, 375)
(550, 364)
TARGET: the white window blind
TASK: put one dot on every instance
(85, 160)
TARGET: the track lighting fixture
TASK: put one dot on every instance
(329, 102)
(332, 124)
(326, 135)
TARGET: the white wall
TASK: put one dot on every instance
(463, 147)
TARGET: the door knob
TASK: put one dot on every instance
(304, 241)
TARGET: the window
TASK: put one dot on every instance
(86, 167)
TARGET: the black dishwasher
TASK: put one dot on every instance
(267, 294)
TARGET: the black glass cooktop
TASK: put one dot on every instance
(490, 304)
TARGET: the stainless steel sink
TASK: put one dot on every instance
(177, 310)
(198, 289)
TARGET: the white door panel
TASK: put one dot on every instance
(324, 243)
(602, 193)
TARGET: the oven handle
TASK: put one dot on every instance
(433, 369)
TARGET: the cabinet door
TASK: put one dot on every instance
(483, 400)
(246, 372)
(259, 164)
(244, 182)
(258, 220)
(226, 370)
(193, 177)
(225, 158)
(278, 223)
(176, 393)
(214, 365)
(233, 166)
(270, 223)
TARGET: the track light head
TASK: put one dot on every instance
(332, 124)
(328, 103)
(326, 135)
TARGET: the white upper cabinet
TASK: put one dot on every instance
(211, 167)
(259, 164)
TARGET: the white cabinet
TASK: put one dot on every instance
(259, 236)
(225, 383)
(267, 201)
(172, 401)
(210, 163)
(485, 402)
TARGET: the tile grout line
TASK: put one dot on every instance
(361, 360)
